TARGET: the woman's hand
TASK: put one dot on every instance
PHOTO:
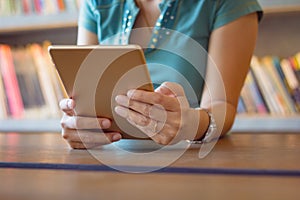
(77, 132)
(164, 115)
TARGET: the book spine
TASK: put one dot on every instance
(241, 106)
(264, 85)
(248, 98)
(56, 81)
(38, 7)
(26, 7)
(292, 81)
(3, 101)
(257, 97)
(295, 66)
(10, 82)
(284, 98)
(44, 75)
(61, 5)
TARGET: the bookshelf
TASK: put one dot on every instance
(280, 6)
(22, 30)
(19, 23)
(278, 35)
(243, 123)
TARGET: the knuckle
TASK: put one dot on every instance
(86, 139)
(62, 103)
(65, 134)
(177, 124)
(74, 145)
(77, 122)
(131, 103)
(160, 139)
(158, 99)
(137, 95)
(63, 124)
(63, 121)
(165, 140)
(143, 121)
(146, 110)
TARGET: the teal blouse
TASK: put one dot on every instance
(177, 51)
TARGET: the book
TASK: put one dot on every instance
(31, 92)
(28, 71)
(297, 58)
(248, 99)
(241, 106)
(28, 7)
(295, 66)
(71, 5)
(290, 91)
(283, 97)
(4, 8)
(255, 93)
(56, 81)
(37, 7)
(3, 101)
(11, 85)
(45, 78)
(292, 81)
(265, 86)
(61, 5)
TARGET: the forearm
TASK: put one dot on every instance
(85, 37)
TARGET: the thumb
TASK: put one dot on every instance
(170, 89)
(174, 90)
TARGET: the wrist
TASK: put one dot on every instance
(210, 132)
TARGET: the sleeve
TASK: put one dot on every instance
(230, 10)
(87, 18)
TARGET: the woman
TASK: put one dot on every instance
(226, 29)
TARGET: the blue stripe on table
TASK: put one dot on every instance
(166, 170)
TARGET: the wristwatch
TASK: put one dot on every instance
(211, 133)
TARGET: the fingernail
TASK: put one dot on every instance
(119, 99)
(130, 93)
(121, 111)
(122, 100)
(70, 104)
(105, 124)
(116, 137)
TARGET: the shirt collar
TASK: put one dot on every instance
(132, 5)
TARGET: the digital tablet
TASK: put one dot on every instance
(94, 75)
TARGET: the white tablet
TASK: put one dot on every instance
(94, 75)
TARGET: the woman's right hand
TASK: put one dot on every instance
(77, 132)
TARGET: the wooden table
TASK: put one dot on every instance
(241, 166)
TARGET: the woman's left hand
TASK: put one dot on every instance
(163, 115)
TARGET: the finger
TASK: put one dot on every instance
(149, 126)
(151, 129)
(67, 106)
(128, 114)
(77, 145)
(169, 103)
(169, 135)
(77, 122)
(156, 112)
(175, 90)
(163, 134)
(89, 137)
(165, 91)
(170, 88)
(80, 145)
